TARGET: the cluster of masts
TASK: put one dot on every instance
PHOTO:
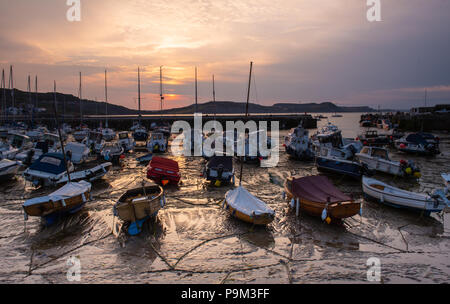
(34, 107)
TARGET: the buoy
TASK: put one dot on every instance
(402, 146)
(164, 182)
(328, 220)
(408, 170)
(417, 175)
(324, 214)
(218, 183)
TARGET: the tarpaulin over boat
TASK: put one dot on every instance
(51, 163)
(164, 163)
(225, 161)
(317, 189)
(63, 193)
(243, 201)
(417, 139)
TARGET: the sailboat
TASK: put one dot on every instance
(159, 142)
(66, 200)
(107, 133)
(139, 131)
(239, 202)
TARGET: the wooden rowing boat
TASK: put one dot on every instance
(138, 205)
(317, 196)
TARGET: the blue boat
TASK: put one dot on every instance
(326, 160)
(140, 134)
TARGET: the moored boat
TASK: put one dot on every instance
(378, 159)
(8, 169)
(138, 205)
(68, 199)
(298, 144)
(47, 170)
(158, 143)
(399, 198)
(243, 205)
(317, 196)
(164, 171)
(219, 170)
(418, 143)
(126, 141)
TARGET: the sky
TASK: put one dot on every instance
(303, 50)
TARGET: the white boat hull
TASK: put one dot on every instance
(400, 198)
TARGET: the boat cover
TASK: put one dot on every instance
(63, 193)
(317, 189)
(225, 161)
(243, 201)
(6, 163)
(76, 148)
(164, 163)
(417, 139)
(51, 163)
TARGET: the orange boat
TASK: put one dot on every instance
(317, 196)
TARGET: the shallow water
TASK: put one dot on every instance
(195, 241)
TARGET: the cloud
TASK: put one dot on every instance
(303, 50)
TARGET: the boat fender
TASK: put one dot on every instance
(234, 180)
(283, 195)
(25, 216)
(163, 201)
(297, 209)
(115, 210)
(292, 203)
(63, 203)
(84, 198)
(223, 204)
(360, 211)
(324, 214)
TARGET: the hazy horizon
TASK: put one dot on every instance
(303, 51)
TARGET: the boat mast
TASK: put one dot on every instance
(106, 99)
(30, 104)
(59, 133)
(161, 90)
(11, 86)
(139, 94)
(196, 91)
(4, 94)
(246, 115)
(81, 102)
(214, 98)
(36, 94)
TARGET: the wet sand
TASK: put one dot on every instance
(194, 240)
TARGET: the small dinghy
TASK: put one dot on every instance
(138, 205)
(68, 199)
(398, 198)
(164, 171)
(219, 170)
(317, 196)
(248, 208)
(8, 169)
(108, 134)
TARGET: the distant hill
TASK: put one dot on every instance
(72, 106)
